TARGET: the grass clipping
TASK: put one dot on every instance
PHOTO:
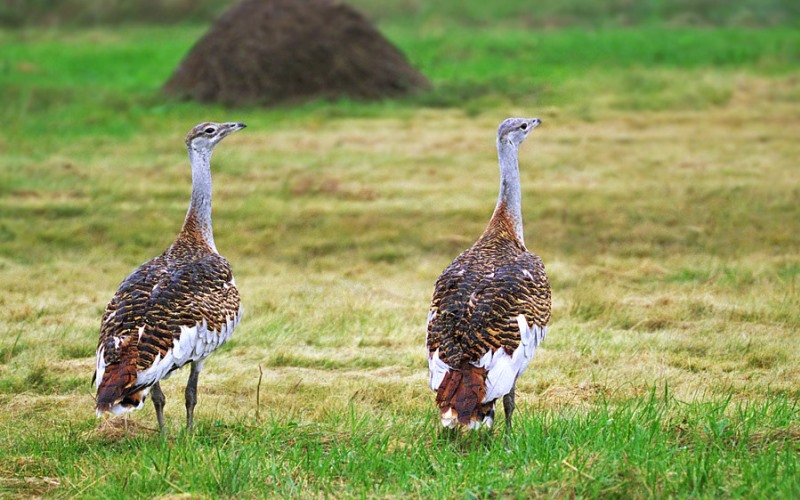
(278, 51)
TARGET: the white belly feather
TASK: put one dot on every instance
(194, 344)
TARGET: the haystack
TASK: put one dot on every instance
(276, 51)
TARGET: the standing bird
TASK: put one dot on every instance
(173, 310)
(490, 307)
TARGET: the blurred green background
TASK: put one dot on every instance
(549, 14)
(661, 191)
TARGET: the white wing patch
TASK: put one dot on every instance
(503, 369)
(194, 344)
(437, 369)
(100, 367)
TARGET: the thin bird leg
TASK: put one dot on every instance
(159, 400)
(191, 392)
(509, 405)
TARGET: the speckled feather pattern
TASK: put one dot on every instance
(186, 285)
(478, 297)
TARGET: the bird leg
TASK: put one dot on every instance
(159, 400)
(509, 405)
(191, 392)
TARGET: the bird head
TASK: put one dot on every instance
(515, 130)
(206, 135)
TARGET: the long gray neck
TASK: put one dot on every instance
(200, 205)
(510, 195)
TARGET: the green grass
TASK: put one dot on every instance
(661, 192)
(99, 84)
(653, 446)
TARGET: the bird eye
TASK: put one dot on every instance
(210, 130)
(523, 126)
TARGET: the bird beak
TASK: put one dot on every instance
(232, 127)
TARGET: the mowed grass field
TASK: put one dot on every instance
(662, 192)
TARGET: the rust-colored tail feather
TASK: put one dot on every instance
(463, 390)
(117, 381)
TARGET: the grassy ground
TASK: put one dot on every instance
(661, 192)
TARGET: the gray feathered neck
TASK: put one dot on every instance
(200, 204)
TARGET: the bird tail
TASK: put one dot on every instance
(460, 397)
(116, 392)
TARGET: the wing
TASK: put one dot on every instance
(481, 313)
(123, 317)
(518, 288)
(163, 316)
(449, 307)
(444, 315)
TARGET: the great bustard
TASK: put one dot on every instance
(173, 310)
(490, 307)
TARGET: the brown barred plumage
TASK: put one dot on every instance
(475, 311)
(172, 310)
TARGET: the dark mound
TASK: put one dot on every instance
(270, 51)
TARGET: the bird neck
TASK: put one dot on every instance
(198, 218)
(509, 201)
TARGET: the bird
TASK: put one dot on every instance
(173, 310)
(490, 308)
